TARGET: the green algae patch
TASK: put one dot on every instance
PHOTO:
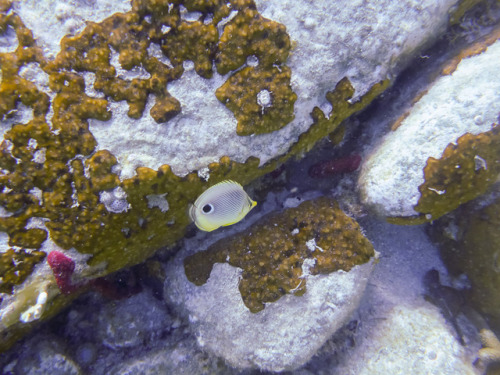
(261, 100)
(470, 244)
(464, 171)
(274, 252)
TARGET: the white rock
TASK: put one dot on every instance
(409, 340)
(465, 101)
(283, 336)
(61, 18)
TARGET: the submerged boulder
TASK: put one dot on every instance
(291, 281)
(446, 150)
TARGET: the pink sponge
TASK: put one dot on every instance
(62, 267)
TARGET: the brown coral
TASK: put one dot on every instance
(463, 172)
(247, 34)
(261, 100)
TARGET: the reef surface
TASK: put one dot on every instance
(116, 116)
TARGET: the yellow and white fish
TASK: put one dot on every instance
(223, 204)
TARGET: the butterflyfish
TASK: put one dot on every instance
(225, 203)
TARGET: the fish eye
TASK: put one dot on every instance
(208, 208)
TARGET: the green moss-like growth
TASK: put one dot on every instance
(463, 172)
(272, 252)
(99, 167)
(30, 238)
(470, 244)
(13, 88)
(261, 100)
(16, 266)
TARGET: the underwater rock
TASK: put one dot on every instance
(414, 170)
(181, 357)
(331, 40)
(283, 336)
(409, 340)
(132, 322)
(293, 279)
(43, 354)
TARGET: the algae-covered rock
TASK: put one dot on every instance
(453, 122)
(123, 108)
(464, 171)
(470, 244)
(262, 101)
(311, 262)
(273, 254)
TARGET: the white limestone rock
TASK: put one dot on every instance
(409, 340)
(283, 336)
(463, 102)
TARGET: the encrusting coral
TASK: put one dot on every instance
(273, 108)
(52, 178)
(15, 266)
(276, 253)
(463, 172)
(489, 354)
